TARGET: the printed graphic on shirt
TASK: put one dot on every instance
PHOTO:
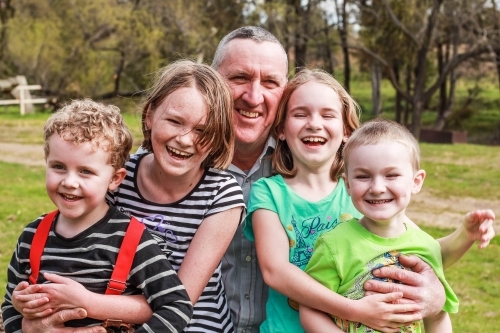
(390, 258)
(302, 235)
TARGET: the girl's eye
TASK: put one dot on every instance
(361, 177)
(392, 175)
(173, 121)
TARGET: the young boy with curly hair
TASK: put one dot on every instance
(86, 147)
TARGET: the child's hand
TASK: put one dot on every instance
(63, 293)
(30, 302)
(479, 226)
(385, 312)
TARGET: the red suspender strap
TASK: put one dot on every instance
(38, 244)
(117, 283)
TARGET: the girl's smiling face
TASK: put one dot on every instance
(314, 127)
(175, 126)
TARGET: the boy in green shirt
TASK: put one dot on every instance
(382, 171)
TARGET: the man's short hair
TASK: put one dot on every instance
(257, 34)
(88, 121)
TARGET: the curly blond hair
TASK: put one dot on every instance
(89, 121)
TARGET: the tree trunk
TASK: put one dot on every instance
(376, 82)
(398, 99)
(342, 29)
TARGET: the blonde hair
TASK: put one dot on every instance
(89, 121)
(282, 157)
(382, 130)
(218, 133)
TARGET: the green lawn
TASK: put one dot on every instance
(452, 170)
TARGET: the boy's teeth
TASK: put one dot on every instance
(248, 114)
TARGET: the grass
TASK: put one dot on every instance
(452, 170)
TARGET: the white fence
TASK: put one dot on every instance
(23, 96)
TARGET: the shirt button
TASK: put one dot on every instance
(248, 258)
(247, 296)
(247, 180)
(243, 331)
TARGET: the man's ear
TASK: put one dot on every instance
(418, 181)
(117, 179)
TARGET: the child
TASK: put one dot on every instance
(177, 190)
(86, 146)
(289, 211)
(382, 171)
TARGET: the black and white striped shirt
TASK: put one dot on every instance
(174, 226)
(89, 259)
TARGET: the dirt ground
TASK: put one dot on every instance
(425, 208)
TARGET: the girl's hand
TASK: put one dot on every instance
(479, 226)
(30, 302)
(385, 312)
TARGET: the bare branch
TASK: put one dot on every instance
(400, 25)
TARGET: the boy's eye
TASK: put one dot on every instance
(86, 172)
(57, 167)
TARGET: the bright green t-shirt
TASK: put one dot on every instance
(344, 258)
(304, 222)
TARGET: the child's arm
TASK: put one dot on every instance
(206, 250)
(439, 323)
(272, 246)
(476, 226)
(315, 321)
(65, 293)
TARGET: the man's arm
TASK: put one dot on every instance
(55, 323)
(420, 285)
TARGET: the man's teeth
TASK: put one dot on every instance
(178, 152)
(248, 114)
(315, 139)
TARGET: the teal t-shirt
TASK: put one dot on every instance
(344, 258)
(304, 222)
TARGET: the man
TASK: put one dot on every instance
(255, 66)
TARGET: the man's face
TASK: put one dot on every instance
(256, 74)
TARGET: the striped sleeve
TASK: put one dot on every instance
(152, 273)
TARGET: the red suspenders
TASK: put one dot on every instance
(117, 283)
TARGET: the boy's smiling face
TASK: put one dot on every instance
(381, 179)
(77, 179)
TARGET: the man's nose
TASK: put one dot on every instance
(253, 95)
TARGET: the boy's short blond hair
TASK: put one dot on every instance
(218, 134)
(382, 130)
(282, 157)
(89, 121)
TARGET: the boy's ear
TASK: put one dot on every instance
(418, 181)
(117, 179)
(344, 176)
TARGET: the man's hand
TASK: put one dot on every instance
(479, 226)
(55, 323)
(421, 285)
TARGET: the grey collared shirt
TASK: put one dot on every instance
(243, 282)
